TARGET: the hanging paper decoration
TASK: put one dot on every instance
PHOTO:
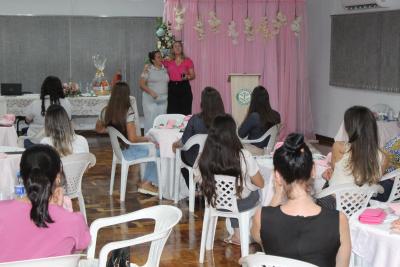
(248, 26)
(279, 21)
(264, 28)
(295, 26)
(214, 21)
(232, 32)
(199, 27)
(179, 16)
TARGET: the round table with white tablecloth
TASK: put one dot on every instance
(386, 131)
(8, 136)
(165, 138)
(373, 245)
(266, 169)
(9, 166)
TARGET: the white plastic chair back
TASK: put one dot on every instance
(262, 260)
(163, 119)
(64, 261)
(395, 193)
(114, 135)
(195, 140)
(74, 167)
(226, 193)
(34, 139)
(350, 198)
(382, 108)
(272, 132)
(165, 217)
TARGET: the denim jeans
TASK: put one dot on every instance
(137, 152)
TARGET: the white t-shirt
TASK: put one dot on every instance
(79, 144)
(249, 168)
(34, 112)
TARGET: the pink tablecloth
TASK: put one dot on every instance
(374, 245)
(386, 131)
(8, 174)
(8, 136)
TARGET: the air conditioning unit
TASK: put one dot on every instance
(365, 4)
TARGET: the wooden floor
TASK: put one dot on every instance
(182, 248)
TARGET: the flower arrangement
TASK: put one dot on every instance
(199, 28)
(179, 17)
(214, 21)
(279, 21)
(295, 26)
(165, 37)
(264, 28)
(232, 32)
(248, 29)
(71, 89)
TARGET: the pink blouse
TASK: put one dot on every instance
(21, 239)
(175, 71)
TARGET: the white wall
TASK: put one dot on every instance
(328, 102)
(132, 8)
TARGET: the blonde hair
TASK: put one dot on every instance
(58, 127)
(173, 53)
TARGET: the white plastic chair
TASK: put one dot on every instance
(199, 140)
(272, 132)
(350, 198)
(118, 158)
(74, 167)
(262, 260)
(225, 200)
(165, 217)
(64, 261)
(163, 119)
(34, 139)
(395, 193)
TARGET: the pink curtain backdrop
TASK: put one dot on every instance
(280, 61)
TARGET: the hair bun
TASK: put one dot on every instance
(294, 142)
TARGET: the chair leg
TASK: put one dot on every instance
(113, 167)
(82, 207)
(244, 226)
(124, 180)
(204, 234)
(211, 232)
(160, 184)
(192, 191)
(177, 179)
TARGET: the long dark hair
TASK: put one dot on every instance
(260, 104)
(58, 127)
(360, 125)
(40, 165)
(293, 160)
(211, 105)
(118, 106)
(221, 155)
(52, 87)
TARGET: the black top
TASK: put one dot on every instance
(194, 126)
(313, 239)
(252, 128)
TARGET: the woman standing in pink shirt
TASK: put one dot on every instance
(37, 226)
(181, 71)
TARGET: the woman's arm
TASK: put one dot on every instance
(343, 254)
(256, 226)
(246, 126)
(100, 127)
(132, 136)
(143, 83)
(257, 180)
(190, 75)
(338, 149)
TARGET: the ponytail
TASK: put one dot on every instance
(40, 165)
(39, 192)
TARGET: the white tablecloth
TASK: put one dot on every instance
(9, 165)
(165, 138)
(8, 136)
(386, 131)
(85, 110)
(374, 245)
(266, 169)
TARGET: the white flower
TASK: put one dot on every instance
(179, 17)
(199, 28)
(232, 32)
(248, 29)
(214, 22)
(264, 28)
(166, 38)
(295, 26)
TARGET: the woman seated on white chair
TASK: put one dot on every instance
(37, 225)
(223, 154)
(360, 160)
(60, 134)
(297, 227)
(120, 115)
(260, 117)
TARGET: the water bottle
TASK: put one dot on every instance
(19, 188)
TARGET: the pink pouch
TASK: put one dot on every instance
(170, 124)
(372, 216)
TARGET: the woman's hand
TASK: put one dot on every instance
(327, 174)
(395, 227)
(153, 94)
(176, 145)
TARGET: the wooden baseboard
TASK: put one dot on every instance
(324, 140)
